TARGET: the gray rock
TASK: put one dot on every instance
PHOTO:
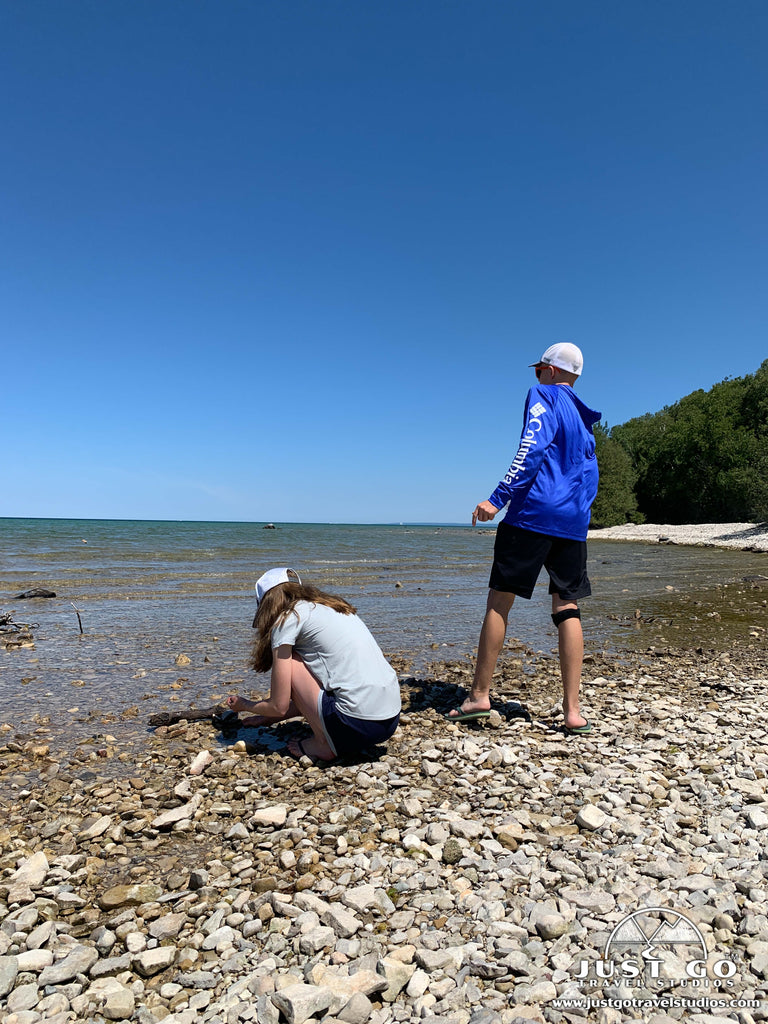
(344, 924)
(24, 997)
(167, 927)
(551, 926)
(467, 829)
(41, 935)
(111, 966)
(9, 969)
(757, 818)
(220, 938)
(79, 961)
(593, 898)
(357, 1011)
(266, 1011)
(539, 992)
(196, 979)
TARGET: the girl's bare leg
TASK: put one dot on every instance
(305, 691)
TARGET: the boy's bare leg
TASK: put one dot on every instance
(570, 645)
(489, 648)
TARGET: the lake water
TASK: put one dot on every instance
(148, 591)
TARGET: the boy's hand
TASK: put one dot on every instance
(483, 513)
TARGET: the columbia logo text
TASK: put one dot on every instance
(529, 441)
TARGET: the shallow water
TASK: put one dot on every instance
(148, 592)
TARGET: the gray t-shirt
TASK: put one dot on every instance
(342, 655)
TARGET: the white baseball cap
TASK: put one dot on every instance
(273, 578)
(564, 356)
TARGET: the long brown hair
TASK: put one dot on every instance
(276, 605)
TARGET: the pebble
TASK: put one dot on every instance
(461, 877)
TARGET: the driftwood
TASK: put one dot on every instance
(35, 592)
(222, 717)
(15, 634)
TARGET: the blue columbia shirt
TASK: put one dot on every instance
(552, 481)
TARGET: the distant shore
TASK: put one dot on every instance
(741, 536)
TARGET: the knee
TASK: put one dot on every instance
(567, 613)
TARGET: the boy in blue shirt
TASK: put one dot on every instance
(549, 490)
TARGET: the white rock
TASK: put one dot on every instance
(167, 927)
(35, 960)
(32, 872)
(176, 814)
(418, 984)
(316, 939)
(591, 817)
(270, 815)
(397, 975)
(757, 818)
(360, 899)
(200, 762)
(98, 828)
(153, 961)
(115, 1001)
(300, 1002)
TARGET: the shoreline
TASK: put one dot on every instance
(455, 876)
(736, 536)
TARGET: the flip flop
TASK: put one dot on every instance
(578, 730)
(466, 716)
(317, 762)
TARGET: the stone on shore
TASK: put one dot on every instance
(461, 877)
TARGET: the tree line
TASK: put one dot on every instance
(702, 460)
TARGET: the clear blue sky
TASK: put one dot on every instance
(289, 260)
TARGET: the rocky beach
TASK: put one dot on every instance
(461, 874)
(737, 536)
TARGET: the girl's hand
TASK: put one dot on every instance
(237, 703)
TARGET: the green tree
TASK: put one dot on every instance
(615, 503)
(704, 459)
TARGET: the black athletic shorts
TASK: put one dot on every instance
(518, 556)
(348, 735)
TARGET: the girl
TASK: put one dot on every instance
(325, 666)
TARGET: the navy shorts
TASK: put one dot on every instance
(518, 556)
(349, 735)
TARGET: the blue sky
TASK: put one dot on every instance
(289, 261)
